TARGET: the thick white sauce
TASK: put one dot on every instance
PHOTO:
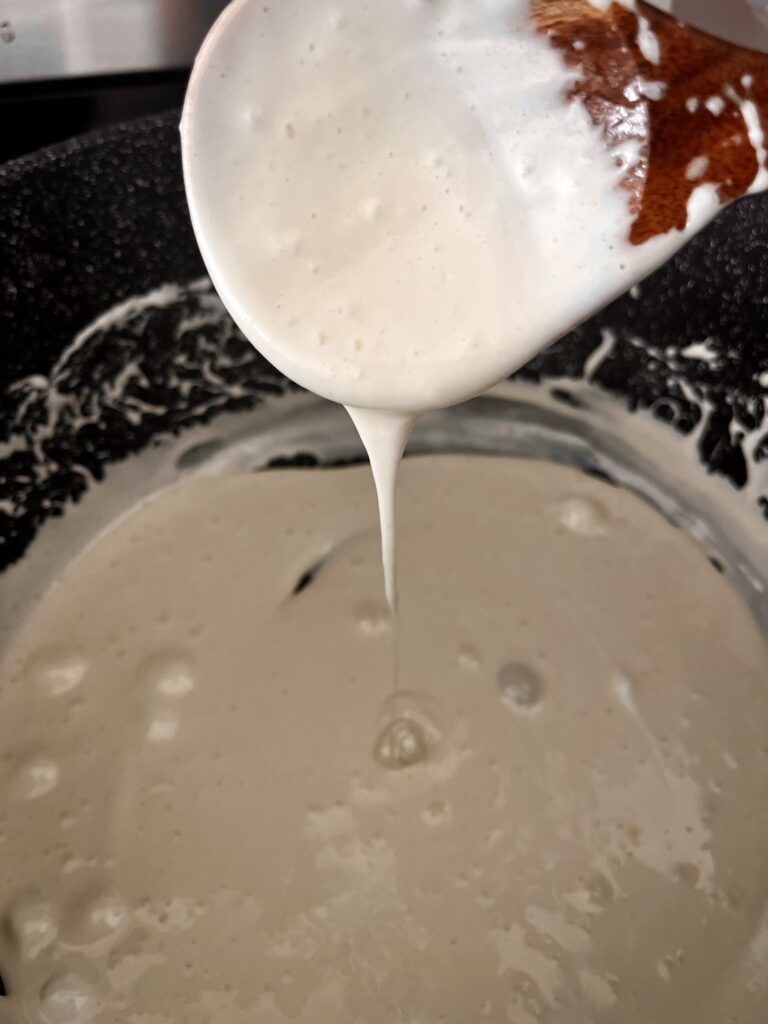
(201, 817)
(398, 205)
(214, 808)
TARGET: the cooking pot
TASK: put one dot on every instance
(114, 345)
(121, 373)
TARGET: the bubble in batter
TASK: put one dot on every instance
(32, 925)
(169, 674)
(583, 516)
(669, 964)
(437, 813)
(34, 777)
(95, 919)
(401, 744)
(520, 686)
(162, 729)
(469, 657)
(372, 619)
(55, 671)
(69, 998)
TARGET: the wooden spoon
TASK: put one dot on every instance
(685, 106)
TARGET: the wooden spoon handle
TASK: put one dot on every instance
(679, 108)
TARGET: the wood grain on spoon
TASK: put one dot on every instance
(677, 99)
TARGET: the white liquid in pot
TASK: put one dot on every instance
(214, 807)
(214, 810)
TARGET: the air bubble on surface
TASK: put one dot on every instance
(32, 926)
(583, 516)
(55, 671)
(408, 730)
(668, 965)
(95, 919)
(372, 619)
(401, 744)
(33, 778)
(437, 813)
(686, 873)
(69, 998)
(162, 729)
(168, 674)
(520, 686)
(469, 658)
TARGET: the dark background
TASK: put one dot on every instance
(36, 115)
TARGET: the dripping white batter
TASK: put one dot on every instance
(398, 205)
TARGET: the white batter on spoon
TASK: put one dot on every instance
(212, 814)
(398, 205)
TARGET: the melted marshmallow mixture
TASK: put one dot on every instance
(397, 203)
(214, 808)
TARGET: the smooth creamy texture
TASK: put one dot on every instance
(196, 827)
(398, 205)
